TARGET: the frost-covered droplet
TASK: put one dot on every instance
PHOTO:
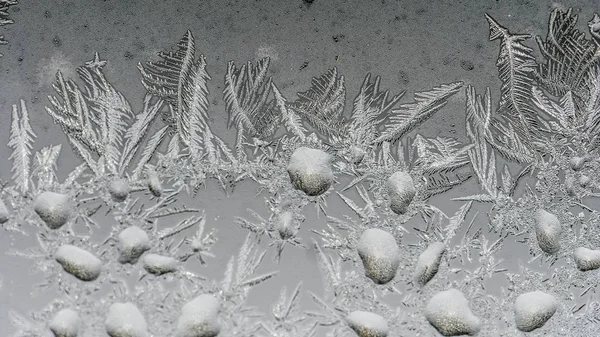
(133, 242)
(379, 253)
(199, 318)
(125, 320)
(448, 311)
(79, 262)
(4, 214)
(285, 225)
(548, 231)
(584, 181)
(367, 324)
(119, 189)
(52, 208)
(65, 323)
(534, 309)
(577, 163)
(159, 264)
(401, 190)
(428, 262)
(310, 171)
(587, 259)
(356, 154)
(154, 184)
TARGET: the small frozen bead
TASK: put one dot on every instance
(310, 171)
(448, 311)
(380, 255)
(534, 309)
(79, 262)
(133, 242)
(199, 318)
(428, 263)
(548, 231)
(587, 259)
(52, 208)
(125, 320)
(65, 323)
(119, 189)
(401, 191)
(367, 324)
(158, 264)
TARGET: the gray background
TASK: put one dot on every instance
(413, 45)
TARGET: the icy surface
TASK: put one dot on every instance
(159, 264)
(379, 253)
(548, 231)
(310, 171)
(401, 190)
(429, 262)
(587, 259)
(126, 320)
(133, 242)
(52, 208)
(199, 318)
(534, 309)
(448, 311)
(65, 323)
(79, 262)
(367, 324)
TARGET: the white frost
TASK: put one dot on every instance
(367, 324)
(199, 318)
(4, 214)
(534, 309)
(52, 208)
(548, 231)
(310, 171)
(429, 262)
(158, 264)
(587, 259)
(126, 320)
(448, 311)
(401, 190)
(119, 189)
(79, 262)
(380, 255)
(133, 242)
(65, 323)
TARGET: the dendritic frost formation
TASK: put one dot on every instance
(534, 154)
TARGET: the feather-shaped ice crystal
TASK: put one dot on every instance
(133, 242)
(380, 255)
(199, 318)
(52, 208)
(534, 309)
(310, 171)
(429, 263)
(548, 231)
(79, 262)
(65, 323)
(448, 311)
(158, 264)
(401, 190)
(125, 320)
(367, 324)
(587, 259)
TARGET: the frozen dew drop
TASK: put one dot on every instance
(65, 323)
(119, 189)
(154, 184)
(285, 225)
(310, 171)
(428, 263)
(125, 320)
(133, 242)
(380, 255)
(356, 154)
(4, 214)
(548, 231)
(79, 262)
(52, 208)
(367, 324)
(199, 318)
(534, 309)
(587, 259)
(584, 181)
(401, 191)
(577, 163)
(448, 311)
(159, 264)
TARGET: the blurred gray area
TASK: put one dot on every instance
(413, 45)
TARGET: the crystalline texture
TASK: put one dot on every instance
(548, 231)
(367, 324)
(401, 190)
(199, 318)
(52, 208)
(310, 171)
(65, 323)
(79, 262)
(429, 262)
(158, 264)
(380, 255)
(133, 242)
(587, 259)
(448, 311)
(534, 309)
(126, 320)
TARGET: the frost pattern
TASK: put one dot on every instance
(534, 157)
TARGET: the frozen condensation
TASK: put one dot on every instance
(534, 309)
(310, 171)
(52, 208)
(367, 324)
(4, 214)
(159, 264)
(65, 323)
(119, 189)
(79, 262)
(199, 318)
(448, 311)
(401, 190)
(548, 231)
(380, 255)
(133, 242)
(126, 320)
(429, 262)
(285, 225)
(587, 259)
